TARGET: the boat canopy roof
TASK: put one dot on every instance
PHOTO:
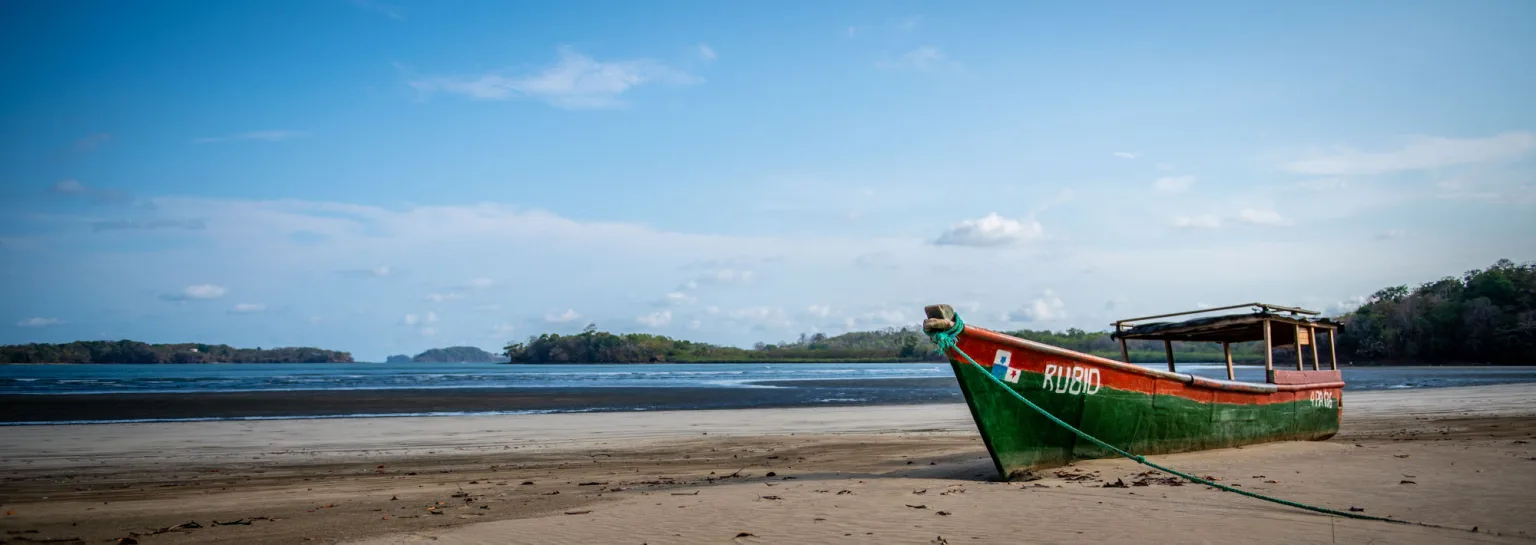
(1226, 328)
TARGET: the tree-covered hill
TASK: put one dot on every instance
(454, 354)
(1486, 315)
(138, 352)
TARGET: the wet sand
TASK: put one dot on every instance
(1458, 457)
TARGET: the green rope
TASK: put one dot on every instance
(948, 340)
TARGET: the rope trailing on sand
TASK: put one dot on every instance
(949, 339)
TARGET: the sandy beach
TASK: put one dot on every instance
(1455, 457)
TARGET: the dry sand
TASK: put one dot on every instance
(1458, 457)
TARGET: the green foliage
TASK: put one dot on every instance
(886, 345)
(457, 354)
(1484, 316)
(398, 358)
(137, 352)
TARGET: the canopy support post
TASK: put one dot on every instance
(1269, 354)
(1124, 354)
(1312, 335)
(1333, 352)
(1168, 347)
(1226, 349)
(1298, 348)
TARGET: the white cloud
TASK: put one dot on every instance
(487, 308)
(908, 24)
(678, 298)
(76, 189)
(1173, 184)
(576, 82)
(1347, 305)
(695, 324)
(38, 322)
(655, 319)
(569, 315)
(503, 329)
(198, 292)
(819, 311)
(268, 136)
(707, 53)
(247, 308)
(380, 271)
(1204, 221)
(718, 276)
(990, 230)
(1126, 155)
(480, 283)
(1047, 307)
(414, 319)
(428, 331)
(1390, 234)
(1324, 184)
(1418, 153)
(879, 319)
(441, 297)
(1261, 217)
(922, 58)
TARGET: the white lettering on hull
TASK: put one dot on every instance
(1073, 380)
(1322, 398)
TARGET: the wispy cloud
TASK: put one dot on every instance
(707, 53)
(389, 10)
(75, 189)
(922, 58)
(197, 292)
(655, 319)
(268, 136)
(128, 225)
(441, 297)
(990, 230)
(1205, 221)
(909, 23)
(38, 322)
(1047, 307)
(1418, 153)
(247, 308)
(380, 271)
(570, 315)
(1173, 184)
(1390, 234)
(1261, 217)
(93, 141)
(576, 81)
(1126, 155)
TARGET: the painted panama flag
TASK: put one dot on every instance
(1139, 409)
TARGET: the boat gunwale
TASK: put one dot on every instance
(1193, 380)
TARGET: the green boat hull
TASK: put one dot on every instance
(1131, 418)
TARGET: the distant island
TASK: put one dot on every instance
(454, 354)
(1484, 316)
(137, 352)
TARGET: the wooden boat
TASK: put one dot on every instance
(1136, 408)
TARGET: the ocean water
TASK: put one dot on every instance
(68, 389)
(201, 378)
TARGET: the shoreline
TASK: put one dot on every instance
(39, 409)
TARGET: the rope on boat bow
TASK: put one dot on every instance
(949, 340)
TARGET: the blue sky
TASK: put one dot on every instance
(385, 177)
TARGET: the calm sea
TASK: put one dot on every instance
(799, 384)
